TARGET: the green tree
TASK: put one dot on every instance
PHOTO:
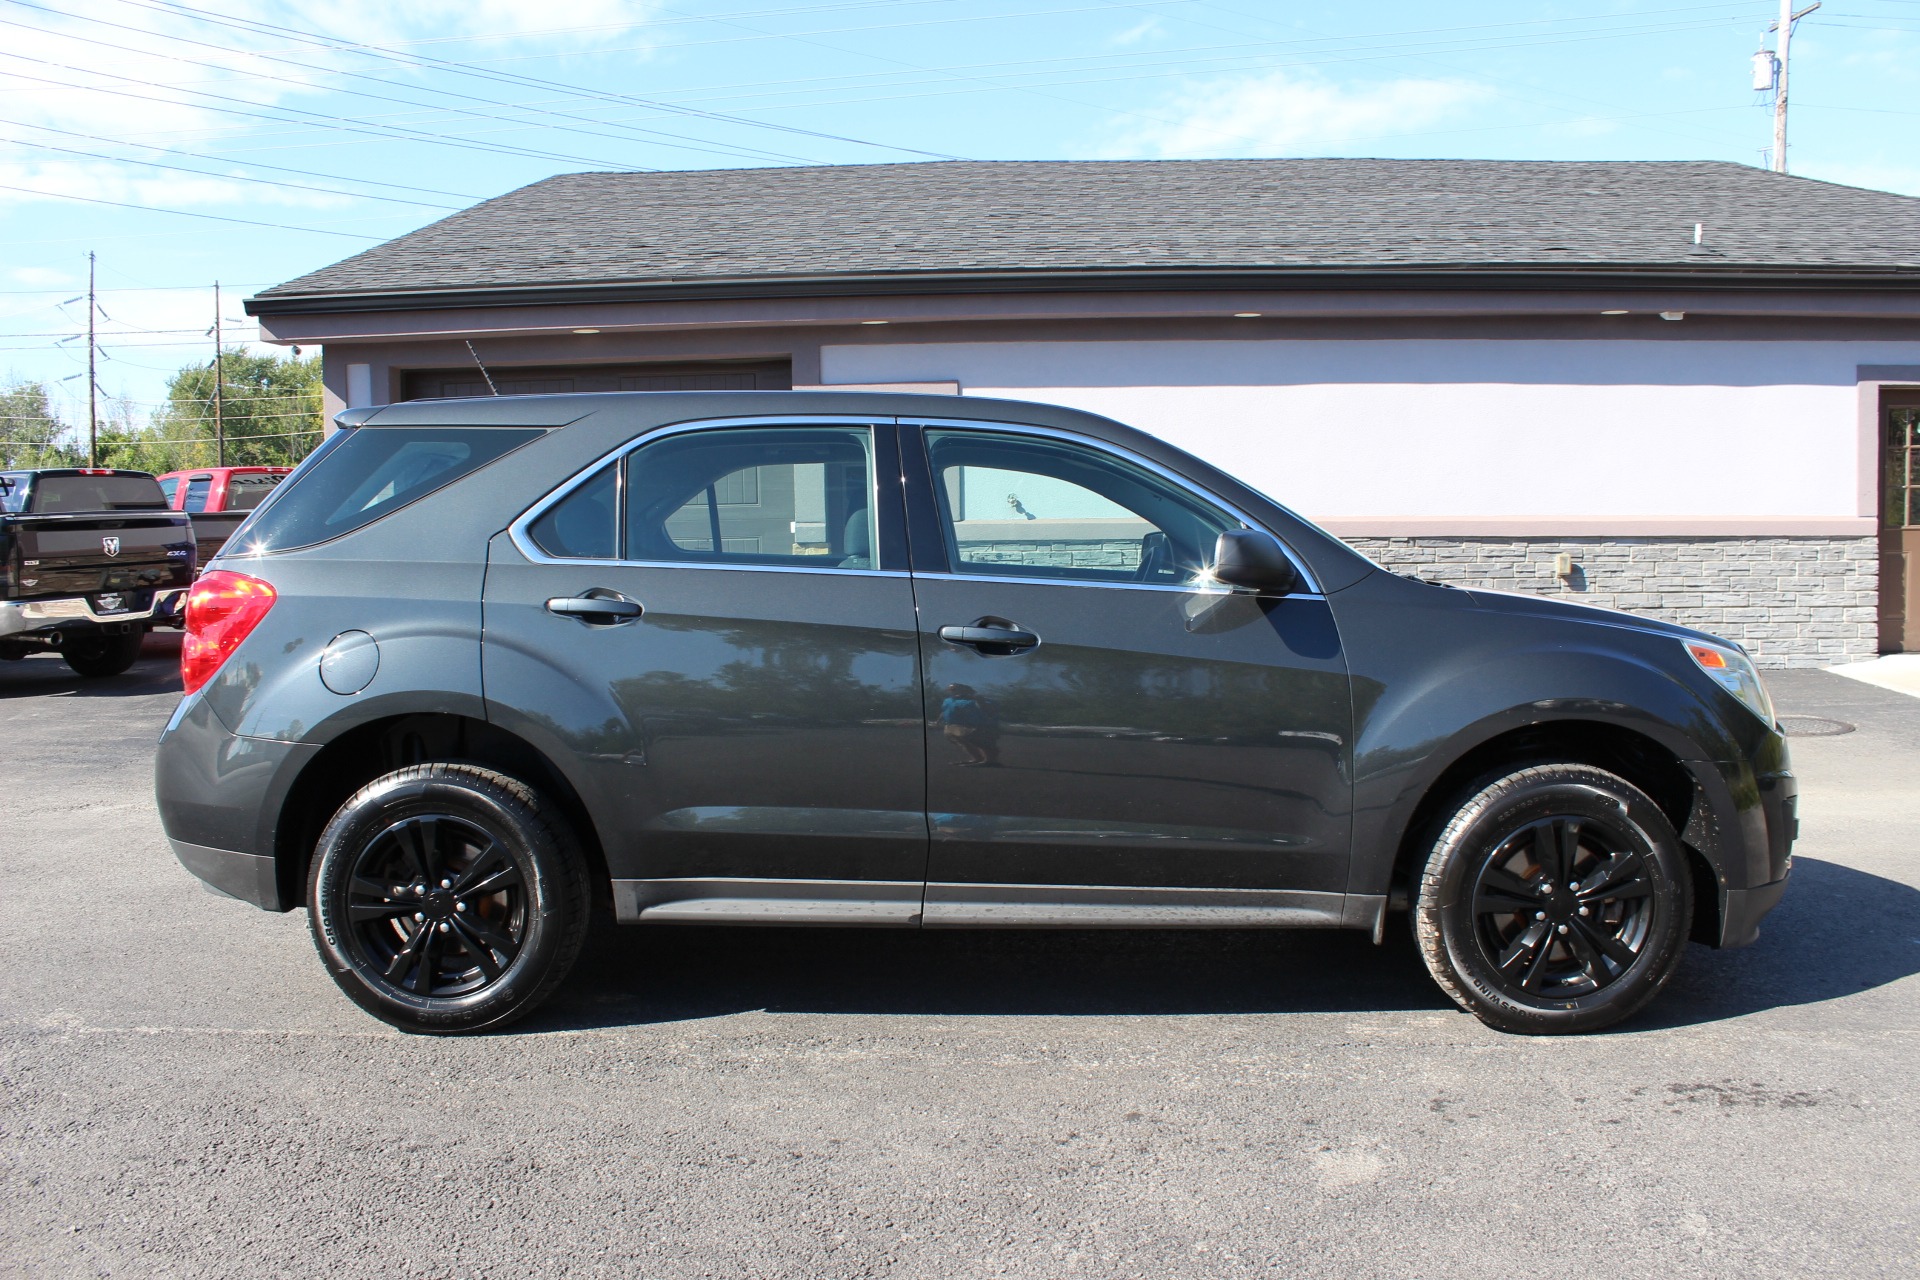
(271, 412)
(30, 431)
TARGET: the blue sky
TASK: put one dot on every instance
(298, 134)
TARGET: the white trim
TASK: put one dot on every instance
(1598, 526)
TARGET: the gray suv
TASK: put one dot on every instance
(479, 669)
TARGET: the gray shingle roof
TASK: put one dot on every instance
(1130, 216)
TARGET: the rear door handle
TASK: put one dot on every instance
(1001, 637)
(596, 611)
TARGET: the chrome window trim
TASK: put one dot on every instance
(1146, 464)
(518, 533)
(1196, 590)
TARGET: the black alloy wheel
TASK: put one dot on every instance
(1556, 898)
(1563, 906)
(437, 905)
(447, 898)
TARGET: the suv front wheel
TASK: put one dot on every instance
(447, 898)
(1556, 899)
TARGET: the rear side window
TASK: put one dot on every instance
(373, 472)
(97, 493)
(167, 487)
(197, 489)
(244, 493)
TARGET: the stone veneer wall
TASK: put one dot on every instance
(1793, 602)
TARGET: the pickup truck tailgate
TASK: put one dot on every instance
(86, 553)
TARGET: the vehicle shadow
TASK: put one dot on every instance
(1838, 931)
(45, 675)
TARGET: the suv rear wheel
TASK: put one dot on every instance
(1556, 899)
(447, 898)
(104, 655)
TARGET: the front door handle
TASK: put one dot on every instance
(596, 611)
(1006, 638)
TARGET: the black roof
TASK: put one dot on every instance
(884, 227)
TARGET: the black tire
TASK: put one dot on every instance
(1556, 899)
(100, 656)
(447, 898)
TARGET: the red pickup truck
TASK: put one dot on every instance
(218, 499)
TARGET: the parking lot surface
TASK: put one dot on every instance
(183, 1092)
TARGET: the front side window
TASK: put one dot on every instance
(798, 497)
(1024, 506)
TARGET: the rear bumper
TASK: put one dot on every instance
(22, 617)
(246, 876)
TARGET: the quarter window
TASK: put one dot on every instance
(1033, 507)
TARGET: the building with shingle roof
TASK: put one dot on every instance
(1687, 379)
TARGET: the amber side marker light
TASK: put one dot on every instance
(1733, 671)
(222, 610)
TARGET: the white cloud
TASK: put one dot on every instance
(1147, 29)
(39, 277)
(1288, 113)
(62, 81)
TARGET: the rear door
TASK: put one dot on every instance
(1110, 738)
(716, 632)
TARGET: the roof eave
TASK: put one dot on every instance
(1555, 276)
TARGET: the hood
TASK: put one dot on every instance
(1594, 615)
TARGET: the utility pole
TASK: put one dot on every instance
(1785, 27)
(93, 386)
(219, 381)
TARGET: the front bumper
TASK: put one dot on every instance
(24, 617)
(1741, 911)
(249, 877)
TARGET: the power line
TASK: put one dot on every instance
(183, 213)
(658, 138)
(382, 52)
(226, 177)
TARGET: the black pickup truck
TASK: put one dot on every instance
(90, 560)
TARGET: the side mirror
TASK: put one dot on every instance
(1253, 560)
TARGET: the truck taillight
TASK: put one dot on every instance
(222, 610)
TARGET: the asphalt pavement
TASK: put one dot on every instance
(183, 1092)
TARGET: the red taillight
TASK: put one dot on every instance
(222, 610)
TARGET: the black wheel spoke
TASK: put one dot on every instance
(1605, 943)
(481, 952)
(1538, 969)
(360, 912)
(424, 837)
(491, 872)
(1622, 879)
(1583, 951)
(487, 937)
(1546, 852)
(1520, 953)
(404, 956)
(1502, 893)
(422, 982)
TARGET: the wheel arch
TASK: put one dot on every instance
(377, 747)
(1642, 760)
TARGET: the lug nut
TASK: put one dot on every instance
(444, 926)
(446, 884)
(461, 906)
(419, 915)
(398, 890)
(1583, 911)
(1539, 915)
(1561, 929)
(1547, 887)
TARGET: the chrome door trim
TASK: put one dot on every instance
(751, 900)
(1018, 906)
(1147, 464)
(517, 531)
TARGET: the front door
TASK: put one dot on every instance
(1900, 523)
(1110, 740)
(716, 633)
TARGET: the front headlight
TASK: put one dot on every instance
(1733, 671)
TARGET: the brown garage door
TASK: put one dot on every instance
(522, 380)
